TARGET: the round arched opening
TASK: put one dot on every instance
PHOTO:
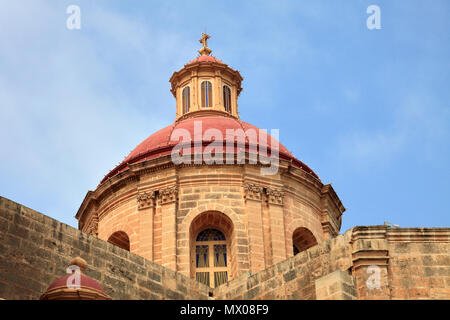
(212, 248)
(302, 239)
(120, 239)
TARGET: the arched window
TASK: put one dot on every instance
(302, 239)
(227, 98)
(186, 99)
(206, 94)
(120, 239)
(211, 267)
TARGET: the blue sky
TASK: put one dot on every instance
(368, 110)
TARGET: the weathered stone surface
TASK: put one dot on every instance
(35, 251)
(414, 263)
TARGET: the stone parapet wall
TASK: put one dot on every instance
(295, 277)
(35, 250)
(408, 263)
(375, 262)
(413, 263)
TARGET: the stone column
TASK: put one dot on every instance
(146, 208)
(168, 200)
(253, 197)
(277, 233)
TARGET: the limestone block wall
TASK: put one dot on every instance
(35, 250)
(161, 209)
(410, 263)
(338, 285)
(293, 278)
(413, 263)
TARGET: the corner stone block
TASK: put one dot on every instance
(337, 285)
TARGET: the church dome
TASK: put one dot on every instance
(210, 172)
(161, 142)
(88, 288)
(206, 92)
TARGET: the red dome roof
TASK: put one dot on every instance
(160, 143)
(85, 281)
(206, 59)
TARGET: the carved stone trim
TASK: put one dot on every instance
(329, 229)
(93, 226)
(168, 195)
(366, 258)
(275, 196)
(146, 199)
(253, 191)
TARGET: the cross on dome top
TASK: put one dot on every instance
(205, 51)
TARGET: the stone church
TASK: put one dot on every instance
(212, 207)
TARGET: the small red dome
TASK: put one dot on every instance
(206, 59)
(160, 144)
(85, 281)
(89, 289)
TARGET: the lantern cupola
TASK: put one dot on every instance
(206, 86)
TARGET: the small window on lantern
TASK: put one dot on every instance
(186, 100)
(227, 98)
(206, 94)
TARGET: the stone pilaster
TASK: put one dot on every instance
(146, 208)
(253, 196)
(168, 200)
(277, 232)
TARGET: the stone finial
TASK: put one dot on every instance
(80, 262)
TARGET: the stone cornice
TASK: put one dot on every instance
(303, 200)
(330, 228)
(135, 170)
(305, 178)
(393, 234)
(328, 190)
(205, 113)
(89, 199)
(302, 175)
(370, 247)
(192, 69)
(366, 258)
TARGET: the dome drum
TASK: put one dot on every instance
(155, 207)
